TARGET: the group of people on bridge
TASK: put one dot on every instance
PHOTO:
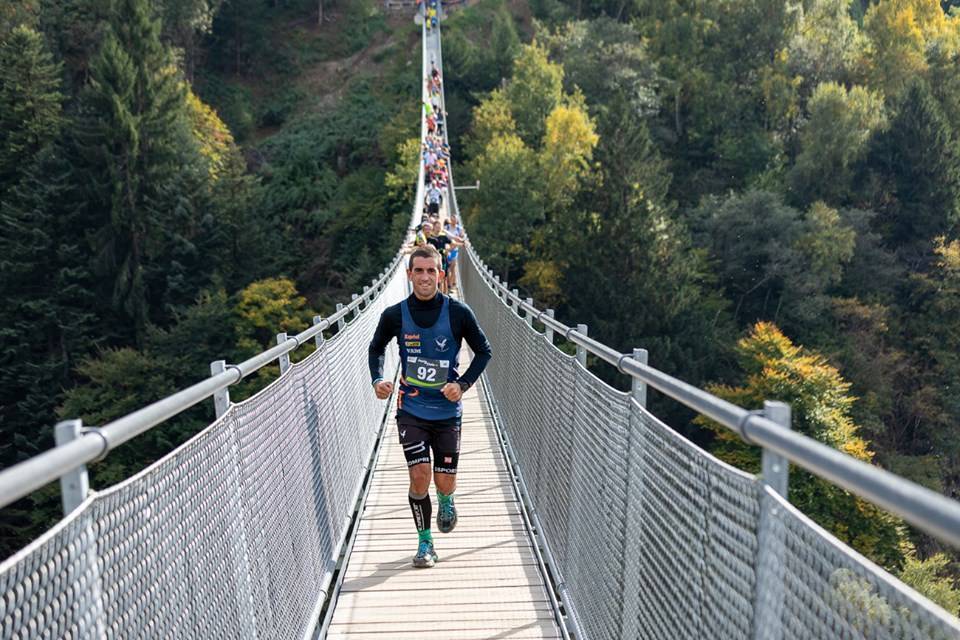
(430, 327)
(446, 235)
(430, 12)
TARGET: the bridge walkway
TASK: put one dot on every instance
(488, 583)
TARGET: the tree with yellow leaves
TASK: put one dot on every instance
(900, 33)
(568, 146)
(777, 369)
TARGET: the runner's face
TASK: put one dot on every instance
(425, 274)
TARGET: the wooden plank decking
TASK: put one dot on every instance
(487, 584)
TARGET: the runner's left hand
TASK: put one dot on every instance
(452, 392)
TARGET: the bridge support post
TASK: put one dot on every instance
(530, 313)
(340, 323)
(318, 339)
(284, 360)
(638, 387)
(549, 330)
(75, 484)
(582, 351)
(515, 301)
(768, 591)
(221, 399)
(630, 605)
(775, 468)
(356, 309)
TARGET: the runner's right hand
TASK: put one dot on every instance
(383, 389)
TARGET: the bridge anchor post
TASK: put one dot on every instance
(283, 360)
(318, 339)
(630, 555)
(582, 351)
(75, 484)
(769, 589)
(221, 399)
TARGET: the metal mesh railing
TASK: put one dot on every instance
(234, 534)
(651, 537)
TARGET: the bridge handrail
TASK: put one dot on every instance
(928, 510)
(95, 443)
(28, 476)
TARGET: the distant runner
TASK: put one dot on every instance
(429, 328)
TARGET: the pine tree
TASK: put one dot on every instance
(30, 102)
(47, 320)
(917, 178)
(129, 143)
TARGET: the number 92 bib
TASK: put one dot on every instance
(427, 372)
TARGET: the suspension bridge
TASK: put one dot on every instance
(287, 516)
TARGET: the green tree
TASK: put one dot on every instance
(730, 101)
(403, 179)
(826, 44)
(833, 141)
(185, 23)
(48, 321)
(30, 102)
(609, 63)
(509, 207)
(932, 332)
(133, 158)
(914, 173)
(776, 369)
(775, 262)
(118, 381)
(534, 90)
(479, 46)
(232, 240)
(491, 118)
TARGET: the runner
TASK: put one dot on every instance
(429, 328)
(454, 230)
(443, 243)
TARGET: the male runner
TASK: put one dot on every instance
(429, 328)
(443, 243)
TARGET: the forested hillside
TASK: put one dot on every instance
(179, 181)
(764, 194)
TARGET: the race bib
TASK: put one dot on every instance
(427, 372)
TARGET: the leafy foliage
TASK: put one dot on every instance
(775, 368)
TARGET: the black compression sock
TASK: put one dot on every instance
(422, 510)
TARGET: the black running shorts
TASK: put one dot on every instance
(418, 437)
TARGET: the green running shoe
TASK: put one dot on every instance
(426, 557)
(446, 515)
